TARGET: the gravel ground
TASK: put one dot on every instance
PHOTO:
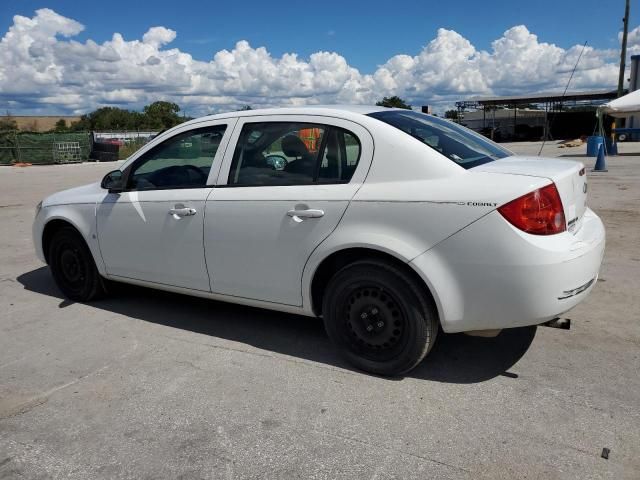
(156, 385)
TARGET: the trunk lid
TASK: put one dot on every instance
(569, 176)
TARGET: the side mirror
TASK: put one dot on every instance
(113, 181)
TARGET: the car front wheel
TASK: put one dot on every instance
(380, 319)
(72, 266)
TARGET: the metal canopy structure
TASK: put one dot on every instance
(541, 98)
(550, 102)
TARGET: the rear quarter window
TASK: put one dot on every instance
(459, 144)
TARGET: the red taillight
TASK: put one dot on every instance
(539, 212)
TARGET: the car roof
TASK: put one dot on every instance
(331, 110)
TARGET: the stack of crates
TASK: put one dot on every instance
(67, 152)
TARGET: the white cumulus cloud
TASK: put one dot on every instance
(43, 69)
(633, 41)
(158, 36)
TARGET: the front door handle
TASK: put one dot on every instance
(178, 213)
(298, 215)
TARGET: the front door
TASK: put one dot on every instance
(154, 230)
(283, 190)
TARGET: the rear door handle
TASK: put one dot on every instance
(178, 213)
(298, 215)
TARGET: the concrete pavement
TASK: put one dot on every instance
(148, 384)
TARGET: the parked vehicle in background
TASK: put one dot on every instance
(387, 223)
(104, 151)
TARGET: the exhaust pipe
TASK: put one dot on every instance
(561, 323)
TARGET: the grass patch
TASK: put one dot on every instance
(129, 149)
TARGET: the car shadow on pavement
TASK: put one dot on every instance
(456, 358)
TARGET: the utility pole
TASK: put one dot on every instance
(623, 53)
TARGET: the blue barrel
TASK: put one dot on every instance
(593, 145)
(610, 148)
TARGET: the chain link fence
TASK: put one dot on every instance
(129, 141)
(44, 148)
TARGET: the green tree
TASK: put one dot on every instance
(452, 114)
(110, 118)
(138, 121)
(245, 108)
(162, 115)
(157, 116)
(393, 102)
(81, 125)
(61, 125)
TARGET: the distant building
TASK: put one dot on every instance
(512, 124)
(554, 115)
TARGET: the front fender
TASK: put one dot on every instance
(81, 216)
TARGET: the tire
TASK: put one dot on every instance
(380, 320)
(73, 267)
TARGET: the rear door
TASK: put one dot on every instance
(285, 183)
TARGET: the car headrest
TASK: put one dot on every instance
(292, 146)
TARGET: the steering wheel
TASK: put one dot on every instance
(277, 162)
(177, 175)
(202, 176)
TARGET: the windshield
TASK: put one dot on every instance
(465, 147)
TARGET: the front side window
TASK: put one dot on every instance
(182, 161)
(461, 145)
(293, 153)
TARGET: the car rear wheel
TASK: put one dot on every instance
(73, 268)
(381, 321)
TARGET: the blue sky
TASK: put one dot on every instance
(71, 57)
(367, 33)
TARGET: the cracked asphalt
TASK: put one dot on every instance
(147, 384)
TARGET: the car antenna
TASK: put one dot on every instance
(548, 129)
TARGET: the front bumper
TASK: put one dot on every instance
(491, 275)
(36, 234)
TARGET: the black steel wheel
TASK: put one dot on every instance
(375, 320)
(381, 321)
(73, 267)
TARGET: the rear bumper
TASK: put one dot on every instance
(491, 275)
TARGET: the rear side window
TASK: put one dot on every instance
(459, 144)
(293, 153)
(340, 157)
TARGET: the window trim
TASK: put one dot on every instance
(127, 171)
(328, 128)
(341, 182)
(321, 153)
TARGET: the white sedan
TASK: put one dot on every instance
(387, 223)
